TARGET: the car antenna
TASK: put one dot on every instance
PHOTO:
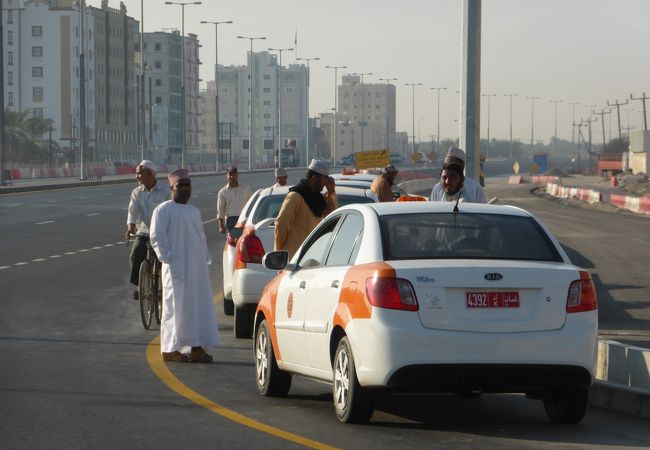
(455, 210)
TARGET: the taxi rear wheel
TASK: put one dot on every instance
(566, 406)
(228, 306)
(353, 403)
(271, 381)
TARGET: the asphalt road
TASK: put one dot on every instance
(75, 371)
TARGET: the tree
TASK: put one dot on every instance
(24, 138)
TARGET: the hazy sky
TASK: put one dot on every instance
(587, 51)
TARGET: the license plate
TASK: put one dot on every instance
(492, 299)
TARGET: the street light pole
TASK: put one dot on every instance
(511, 95)
(183, 5)
(438, 89)
(250, 109)
(362, 122)
(279, 98)
(487, 150)
(307, 128)
(532, 122)
(336, 110)
(573, 126)
(413, 114)
(555, 102)
(216, 84)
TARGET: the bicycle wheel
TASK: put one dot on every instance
(158, 294)
(145, 281)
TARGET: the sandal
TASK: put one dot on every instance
(200, 356)
(175, 357)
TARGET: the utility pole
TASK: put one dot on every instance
(413, 116)
(602, 118)
(618, 113)
(487, 150)
(645, 119)
(573, 123)
(532, 123)
(588, 122)
(555, 102)
(82, 90)
(279, 100)
(510, 95)
(438, 89)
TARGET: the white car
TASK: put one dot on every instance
(228, 256)
(250, 276)
(414, 296)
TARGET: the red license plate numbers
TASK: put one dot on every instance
(492, 299)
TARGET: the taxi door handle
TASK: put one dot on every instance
(302, 284)
(335, 284)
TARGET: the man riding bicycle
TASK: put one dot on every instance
(143, 200)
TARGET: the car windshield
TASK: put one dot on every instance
(462, 236)
(270, 206)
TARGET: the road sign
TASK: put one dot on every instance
(372, 158)
(515, 167)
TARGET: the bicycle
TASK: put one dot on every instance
(150, 286)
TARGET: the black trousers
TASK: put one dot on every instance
(138, 254)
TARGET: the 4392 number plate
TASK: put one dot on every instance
(492, 299)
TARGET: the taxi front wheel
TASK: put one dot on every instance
(353, 403)
(271, 381)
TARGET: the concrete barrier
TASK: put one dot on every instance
(515, 179)
(423, 185)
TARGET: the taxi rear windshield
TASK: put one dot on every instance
(463, 236)
(269, 206)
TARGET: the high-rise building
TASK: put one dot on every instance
(366, 116)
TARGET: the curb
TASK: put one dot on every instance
(622, 399)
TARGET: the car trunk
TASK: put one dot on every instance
(489, 296)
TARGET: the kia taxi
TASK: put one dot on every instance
(425, 296)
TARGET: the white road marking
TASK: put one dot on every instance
(38, 259)
(92, 214)
(96, 248)
(21, 264)
(4, 267)
(70, 253)
(108, 245)
(83, 250)
(43, 223)
(12, 205)
(56, 256)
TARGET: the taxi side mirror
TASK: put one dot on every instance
(276, 260)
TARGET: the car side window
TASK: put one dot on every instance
(316, 250)
(248, 206)
(345, 240)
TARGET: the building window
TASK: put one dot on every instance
(158, 65)
(37, 112)
(10, 58)
(10, 16)
(37, 31)
(37, 94)
(37, 72)
(289, 89)
(10, 98)
(267, 115)
(158, 47)
(158, 82)
(10, 37)
(37, 52)
(267, 90)
(267, 102)
(266, 77)
(10, 78)
(268, 144)
(158, 100)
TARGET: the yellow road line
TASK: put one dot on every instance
(156, 363)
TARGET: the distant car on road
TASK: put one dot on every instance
(249, 275)
(415, 296)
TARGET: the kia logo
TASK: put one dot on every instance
(493, 276)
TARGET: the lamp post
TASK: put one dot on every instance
(489, 96)
(183, 5)
(307, 128)
(532, 122)
(555, 102)
(511, 95)
(438, 89)
(413, 117)
(250, 110)
(387, 80)
(336, 108)
(216, 83)
(573, 126)
(362, 122)
(280, 50)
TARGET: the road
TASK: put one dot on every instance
(75, 371)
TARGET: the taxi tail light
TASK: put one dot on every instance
(391, 293)
(582, 295)
(251, 249)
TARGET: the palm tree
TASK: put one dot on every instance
(24, 137)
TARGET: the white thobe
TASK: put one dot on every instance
(471, 192)
(188, 315)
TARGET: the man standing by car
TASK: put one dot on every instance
(188, 315)
(231, 198)
(472, 191)
(280, 177)
(304, 207)
(382, 185)
(142, 202)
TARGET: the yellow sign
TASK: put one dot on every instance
(417, 156)
(515, 167)
(534, 168)
(373, 158)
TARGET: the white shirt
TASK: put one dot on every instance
(471, 192)
(230, 201)
(188, 316)
(142, 203)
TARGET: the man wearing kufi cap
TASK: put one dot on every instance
(470, 191)
(304, 207)
(382, 185)
(142, 202)
(231, 199)
(280, 177)
(188, 316)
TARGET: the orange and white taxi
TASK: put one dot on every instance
(414, 296)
